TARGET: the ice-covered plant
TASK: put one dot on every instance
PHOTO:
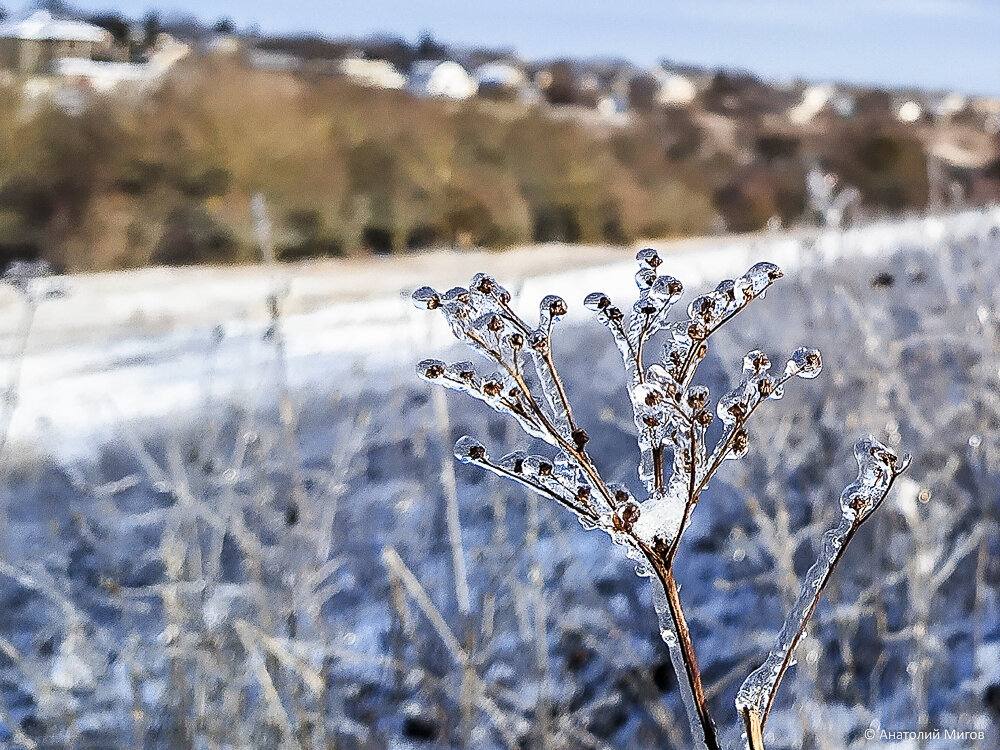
(679, 455)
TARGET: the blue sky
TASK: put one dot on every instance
(929, 43)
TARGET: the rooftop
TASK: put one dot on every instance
(43, 26)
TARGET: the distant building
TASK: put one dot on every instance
(273, 60)
(949, 104)
(380, 74)
(34, 44)
(908, 110)
(106, 76)
(675, 90)
(612, 104)
(500, 74)
(822, 98)
(223, 44)
(506, 81)
(444, 78)
(814, 100)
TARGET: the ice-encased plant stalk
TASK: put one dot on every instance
(671, 415)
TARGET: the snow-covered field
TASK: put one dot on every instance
(141, 344)
(226, 530)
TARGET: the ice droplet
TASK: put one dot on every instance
(596, 301)
(469, 450)
(762, 275)
(648, 257)
(805, 362)
(426, 298)
(551, 308)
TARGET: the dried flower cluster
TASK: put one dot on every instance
(672, 416)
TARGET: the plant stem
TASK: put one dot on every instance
(692, 675)
(755, 738)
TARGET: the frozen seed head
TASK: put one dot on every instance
(697, 332)
(464, 371)
(764, 274)
(492, 387)
(648, 257)
(666, 288)
(554, 306)
(468, 450)
(645, 277)
(702, 308)
(426, 298)
(538, 341)
(756, 362)
(430, 369)
(765, 387)
(597, 301)
(482, 283)
(457, 294)
(486, 286)
(805, 362)
(878, 466)
(514, 462)
(629, 513)
(697, 397)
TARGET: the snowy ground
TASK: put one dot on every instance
(218, 536)
(141, 344)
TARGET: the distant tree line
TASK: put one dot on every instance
(169, 179)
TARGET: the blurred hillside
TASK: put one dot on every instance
(352, 156)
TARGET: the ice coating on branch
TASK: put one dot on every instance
(482, 317)
(668, 632)
(878, 466)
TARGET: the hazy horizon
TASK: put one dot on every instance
(930, 44)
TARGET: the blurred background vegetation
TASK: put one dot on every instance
(167, 177)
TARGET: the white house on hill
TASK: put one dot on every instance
(500, 75)
(444, 78)
(379, 74)
(675, 90)
(34, 44)
(106, 76)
